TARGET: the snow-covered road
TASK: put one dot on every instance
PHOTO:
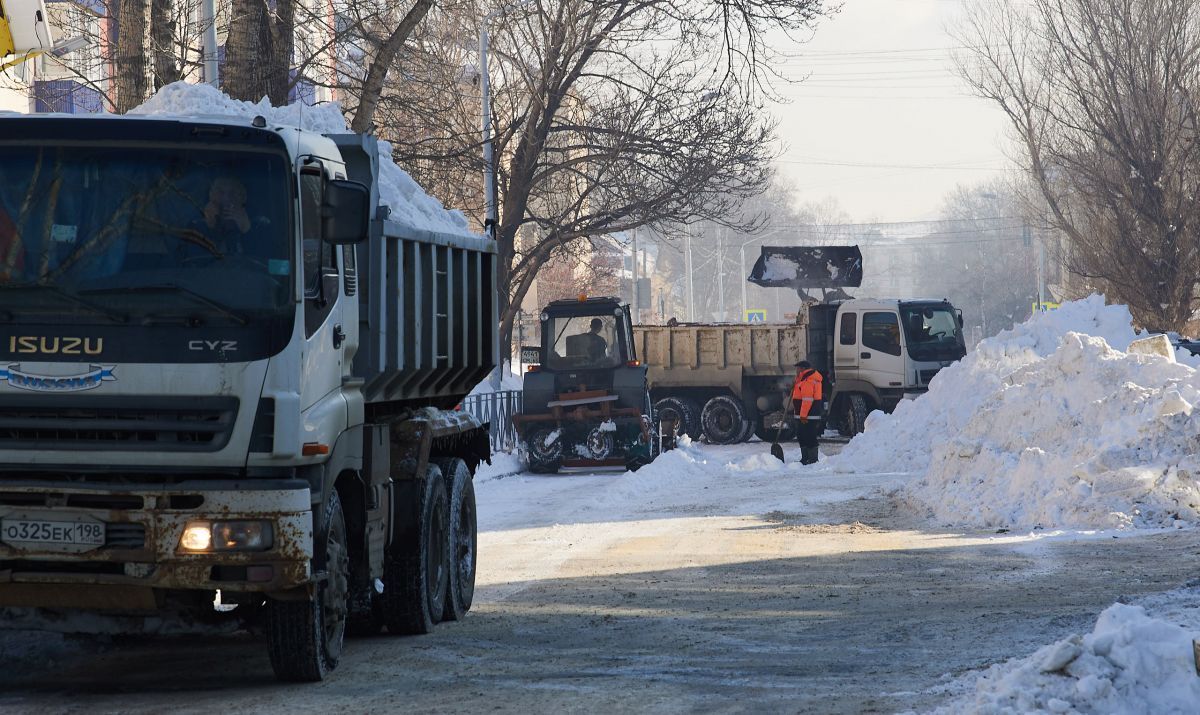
(714, 580)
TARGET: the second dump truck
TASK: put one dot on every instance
(726, 382)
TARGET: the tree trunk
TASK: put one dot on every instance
(167, 67)
(243, 76)
(258, 51)
(372, 87)
(283, 41)
(131, 55)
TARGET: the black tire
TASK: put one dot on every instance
(682, 411)
(724, 420)
(543, 458)
(417, 571)
(768, 426)
(857, 409)
(464, 539)
(305, 637)
(747, 432)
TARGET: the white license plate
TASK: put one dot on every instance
(52, 533)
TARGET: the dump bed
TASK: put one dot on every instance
(427, 302)
(677, 354)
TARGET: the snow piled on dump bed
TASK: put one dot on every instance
(1137, 659)
(410, 205)
(1047, 425)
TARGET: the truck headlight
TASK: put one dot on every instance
(243, 535)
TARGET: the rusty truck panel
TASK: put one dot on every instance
(141, 553)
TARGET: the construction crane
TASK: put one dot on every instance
(25, 33)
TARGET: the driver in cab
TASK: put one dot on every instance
(590, 345)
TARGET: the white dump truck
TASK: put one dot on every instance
(726, 382)
(224, 367)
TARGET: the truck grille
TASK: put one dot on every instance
(124, 536)
(172, 424)
(926, 375)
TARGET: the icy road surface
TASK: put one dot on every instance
(715, 580)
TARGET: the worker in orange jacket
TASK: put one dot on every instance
(808, 401)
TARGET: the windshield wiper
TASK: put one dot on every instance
(70, 297)
(221, 308)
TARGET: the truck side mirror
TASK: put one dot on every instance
(960, 318)
(345, 212)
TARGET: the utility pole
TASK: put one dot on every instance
(721, 275)
(1041, 274)
(208, 21)
(489, 160)
(637, 303)
(687, 259)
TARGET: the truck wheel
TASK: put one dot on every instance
(463, 539)
(305, 637)
(724, 420)
(681, 411)
(543, 453)
(417, 573)
(857, 410)
(768, 426)
(747, 432)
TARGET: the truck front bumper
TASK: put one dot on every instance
(142, 556)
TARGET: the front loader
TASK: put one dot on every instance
(586, 404)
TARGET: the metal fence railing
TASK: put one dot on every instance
(497, 409)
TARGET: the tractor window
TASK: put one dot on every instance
(586, 341)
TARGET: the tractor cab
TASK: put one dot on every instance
(584, 341)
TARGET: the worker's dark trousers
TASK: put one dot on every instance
(806, 435)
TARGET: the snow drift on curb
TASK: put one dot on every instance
(1050, 425)
(1131, 662)
(409, 203)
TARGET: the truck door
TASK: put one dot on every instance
(881, 360)
(323, 330)
(846, 347)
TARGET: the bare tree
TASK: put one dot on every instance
(258, 50)
(607, 119)
(1103, 95)
(131, 75)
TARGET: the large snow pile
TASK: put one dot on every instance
(409, 204)
(1048, 425)
(904, 440)
(1131, 662)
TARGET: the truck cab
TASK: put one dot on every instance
(880, 351)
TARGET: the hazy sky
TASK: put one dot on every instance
(882, 124)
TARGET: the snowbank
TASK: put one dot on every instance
(409, 204)
(1131, 662)
(904, 440)
(1047, 425)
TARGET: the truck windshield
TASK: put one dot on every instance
(932, 332)
(587, 341)
(142, 230)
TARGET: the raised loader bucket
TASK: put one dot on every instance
(801, 267)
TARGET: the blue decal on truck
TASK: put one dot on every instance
(13, 375)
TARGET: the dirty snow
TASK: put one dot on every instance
(410, 205)
(1137, 659)
(780, 268)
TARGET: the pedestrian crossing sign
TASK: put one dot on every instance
(756, 315)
